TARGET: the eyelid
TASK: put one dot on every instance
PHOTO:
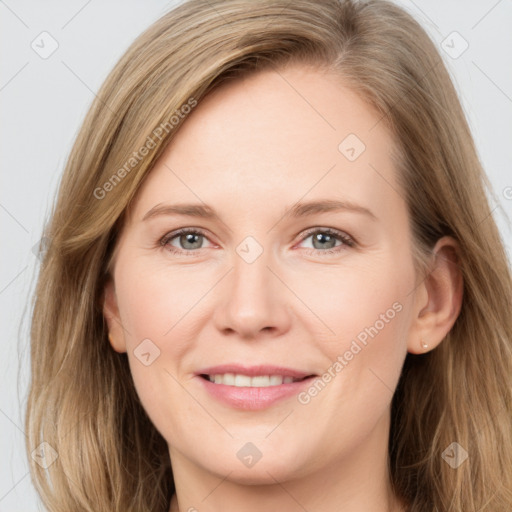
(346, 239)
(163, 241)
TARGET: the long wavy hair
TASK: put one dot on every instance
(82, 401)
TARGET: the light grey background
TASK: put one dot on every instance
(43, 101)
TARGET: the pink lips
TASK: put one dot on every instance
(253, 398)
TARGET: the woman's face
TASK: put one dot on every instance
(297, 264)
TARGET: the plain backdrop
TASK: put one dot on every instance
(44, 99)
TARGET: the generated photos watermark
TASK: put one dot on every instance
(356, 346)
(144, 150)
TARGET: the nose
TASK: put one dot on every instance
(254, 302)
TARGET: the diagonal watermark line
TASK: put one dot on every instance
(216, 487)
(12, 12)
(14, 486)
(425, 14)
(112, 317)
(416, 286)
(199, 301)
(301, 300)
(198, 402)
(288, 492)
(303, 97)
(20, 429)
(89, 88)
(14, 76)
(305, 194)
(226, 226)
(13, 279)
(275, 69)
(492, 81)
(374, 168)
(122, 326)
(76, 14)
(279, 423)
(217, 12)
(487, 216)
(485, 15)
(392, 392)
(14, 218)
(406, 93)
(430, 271)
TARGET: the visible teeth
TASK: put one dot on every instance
(244, 381)
(275, 380)
(228, 379)
(260, 381)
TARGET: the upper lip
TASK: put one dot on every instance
(253, 371)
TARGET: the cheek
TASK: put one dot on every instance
(358, 302)
(363, 363)
(368, 308)
(155, 308)
(155, 302)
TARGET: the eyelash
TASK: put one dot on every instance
(347, 240)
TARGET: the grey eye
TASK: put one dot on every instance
(190, 240)
(323, 241)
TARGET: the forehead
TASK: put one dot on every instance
(276, 136)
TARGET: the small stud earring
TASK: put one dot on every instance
(424, 345)
(110, 337)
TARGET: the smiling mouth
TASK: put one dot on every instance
(257, 381)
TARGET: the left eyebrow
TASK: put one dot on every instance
(327, 205)
(297, 211)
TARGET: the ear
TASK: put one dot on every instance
(438, 299)
(111, 314)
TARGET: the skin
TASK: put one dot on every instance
(251, 150)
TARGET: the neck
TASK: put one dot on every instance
(254, 499)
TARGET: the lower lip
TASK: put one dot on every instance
(250, 398)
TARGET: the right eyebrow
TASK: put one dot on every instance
(191, 210)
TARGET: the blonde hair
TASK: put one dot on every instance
(82, 400)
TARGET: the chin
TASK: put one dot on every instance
(263, 475)
(265, 471)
